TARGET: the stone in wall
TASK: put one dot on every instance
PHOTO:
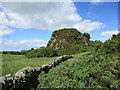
(26, 78)
(6, 82)
(38, 70)
(46, 68)
(88, 53)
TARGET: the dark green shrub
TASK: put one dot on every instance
(42, 52)
(86, 35)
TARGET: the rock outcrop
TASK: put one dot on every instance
(66, 37)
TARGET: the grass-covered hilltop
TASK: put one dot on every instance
(66, 37)
(95, 64)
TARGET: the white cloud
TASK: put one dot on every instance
(95, 1)
(88, 26)
(3, 19)
(21, 45)
(42, 15)
(46, 16)
(5, 31)
(108, 34)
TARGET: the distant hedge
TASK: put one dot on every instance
(42, 52)
(12, 52)
(52, 52)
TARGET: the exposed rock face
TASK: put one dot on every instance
(27, 78)
(65, 37)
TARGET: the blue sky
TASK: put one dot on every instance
(106, 13)
(26, 26)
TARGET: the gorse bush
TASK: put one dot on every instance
(112, 45)
(103, 72)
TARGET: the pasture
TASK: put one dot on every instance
(13, 63)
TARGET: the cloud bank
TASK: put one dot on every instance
(5, 31)
(108, 34)
(96, 1)
(21, 45)
(46, 16)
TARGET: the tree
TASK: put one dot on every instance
(23, 51)
(32, 48)
(86, 35)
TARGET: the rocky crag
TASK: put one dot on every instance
(66, 37)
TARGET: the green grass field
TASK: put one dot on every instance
(13, 63)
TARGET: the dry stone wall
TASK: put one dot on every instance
(27, 78)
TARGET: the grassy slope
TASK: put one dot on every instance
(77, 73)
(13, 63)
